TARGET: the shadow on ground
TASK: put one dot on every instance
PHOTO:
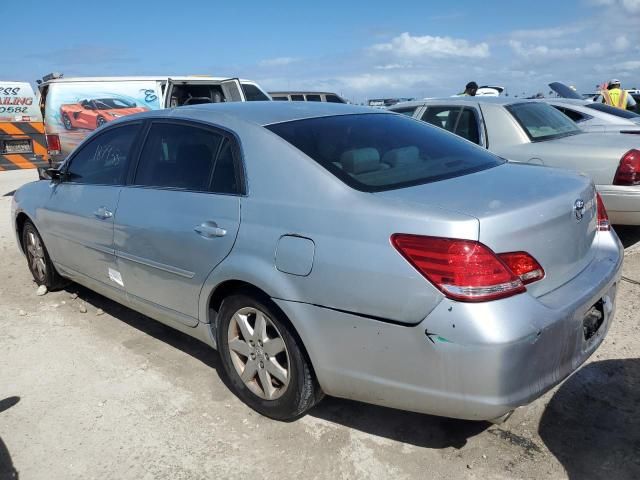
(592, 423)
(413, 428)
(629, 235)
(417, 429)
(7, 470)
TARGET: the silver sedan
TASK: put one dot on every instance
(334, 249)
(533, 132)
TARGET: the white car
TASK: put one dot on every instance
(597, 117)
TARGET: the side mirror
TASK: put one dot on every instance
(53, 174)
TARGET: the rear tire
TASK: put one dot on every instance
(38, 259)
(261, 356)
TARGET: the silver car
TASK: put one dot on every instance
(597, 117)
(533, 132)
(334, 249)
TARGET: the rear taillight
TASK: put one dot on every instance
(523, 265)
(53, 144)
(628, 172)
(466, 270)
(603, 218)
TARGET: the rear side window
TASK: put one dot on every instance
(376, 152)
(572, 114)
(314, 98)
(408, 111)
(297, 98)
(443, 117)
(467, 125)
(178, 156)
(541, 121)
(103, 159)
(253, 93)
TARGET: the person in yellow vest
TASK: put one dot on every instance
(615, 96)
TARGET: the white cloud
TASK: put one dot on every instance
(554, 53)
(547, 33)
(631, 6)
(621, 43)
(277, 62)
(408, 46)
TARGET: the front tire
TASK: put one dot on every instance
(38, 260)
(100, 121)
(262, 358)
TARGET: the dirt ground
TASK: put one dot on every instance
(108, 393)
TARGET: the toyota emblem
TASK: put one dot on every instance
(578, 208)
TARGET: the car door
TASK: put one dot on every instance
(78, 218)
(463, 121)
(179, 217)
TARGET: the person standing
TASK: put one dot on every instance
(470, 90)
(615, 96)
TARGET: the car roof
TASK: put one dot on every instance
(181, 78)
(267, 113)
(462, 100)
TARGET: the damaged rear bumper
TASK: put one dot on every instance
(464, 360)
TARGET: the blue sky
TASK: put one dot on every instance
(360, 50)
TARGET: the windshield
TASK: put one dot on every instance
(618, 112)
(109, 103)
(376, 152)
(542, 122)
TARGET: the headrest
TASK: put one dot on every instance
(360, 160)
(401, 155)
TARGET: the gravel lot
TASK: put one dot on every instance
(92, 390)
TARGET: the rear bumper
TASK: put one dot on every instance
(622, 203)
(472, 361)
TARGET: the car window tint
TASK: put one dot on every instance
(443, 117)
(297, 98)
(541, 121)
(103, 159)
(408, 111)
(178, 156)
(334, 99)
(467, 126)
(253, 93)
(314, 98)
(279, 98)
(225, 178)
(376, 152)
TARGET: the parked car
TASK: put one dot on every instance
(597, 117)
(72, 107)
(376, 257)
(307, 97)
(530, 131)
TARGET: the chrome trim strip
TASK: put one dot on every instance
(150, 263)
(92, 246)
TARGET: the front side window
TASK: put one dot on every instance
(334, 99)
(376, 152)
(178, 156)
(279, 98)
(542, 122)
(103, 159)
(253, 93)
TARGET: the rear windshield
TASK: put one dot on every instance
(542, 122)
(618, 112)
(376, 152)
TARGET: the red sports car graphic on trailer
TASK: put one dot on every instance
(91, 114)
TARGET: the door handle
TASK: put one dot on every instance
(103, 213)
(210, 230)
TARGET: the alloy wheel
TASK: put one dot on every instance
(258, 353)
(35, 255)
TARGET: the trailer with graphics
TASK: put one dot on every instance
(22, 138)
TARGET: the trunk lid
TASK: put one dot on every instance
(523, 208)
